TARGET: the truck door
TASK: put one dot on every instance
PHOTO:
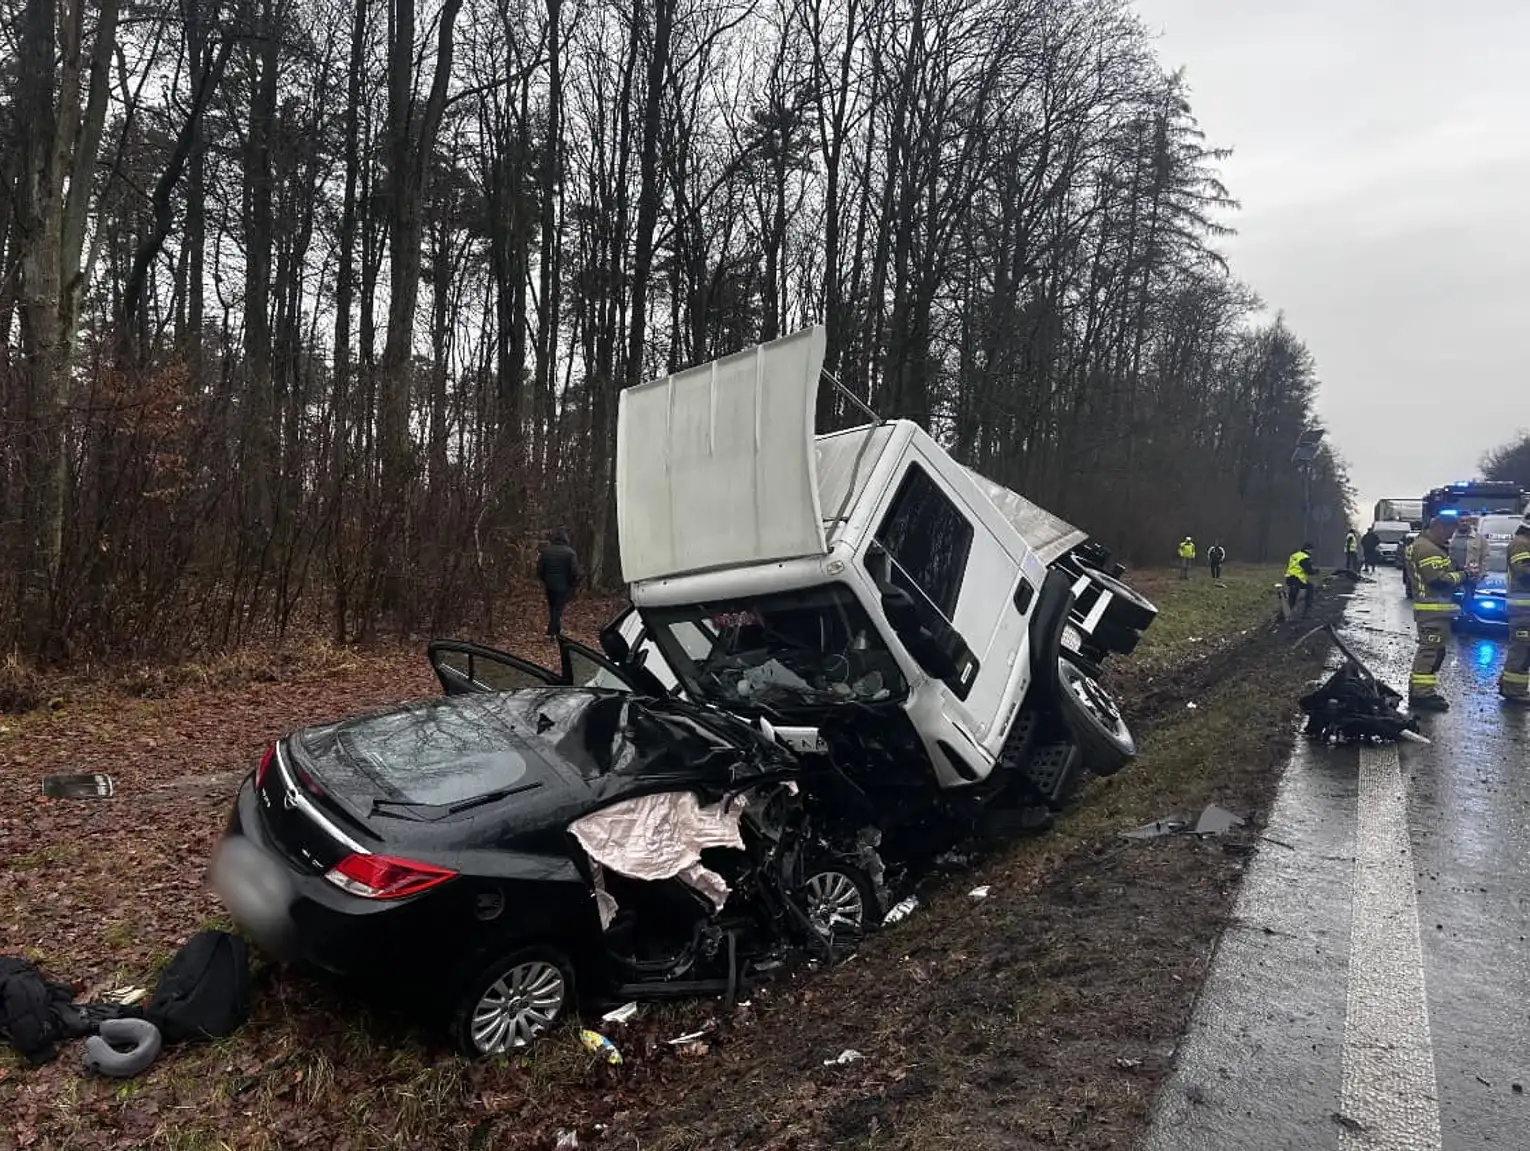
(944, 555)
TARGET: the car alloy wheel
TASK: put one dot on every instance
(835, 904)
(518, 1006)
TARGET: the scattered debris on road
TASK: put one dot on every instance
(901, 911)
(626, 1013)
(980, 892)
(597, 1044)
(1216, 821)
(846, 1057)
(92, 785)
(1353, 706)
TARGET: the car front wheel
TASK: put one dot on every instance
(1093, 719)
(513, 1000)
(840, 904)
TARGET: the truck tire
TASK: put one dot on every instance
(1093, 720)
(1112, 637)
(1129, 609)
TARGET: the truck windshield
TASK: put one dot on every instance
(801, 648)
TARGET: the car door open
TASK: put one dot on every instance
(467, 667)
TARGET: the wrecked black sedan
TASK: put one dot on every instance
(495, 850)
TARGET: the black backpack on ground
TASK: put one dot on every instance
(205, 991)
(37, 1013)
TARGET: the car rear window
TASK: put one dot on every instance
(438, 755)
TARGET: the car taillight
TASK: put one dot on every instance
(384, 877)
(265, 765)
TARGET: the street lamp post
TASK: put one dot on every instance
(1306, 451)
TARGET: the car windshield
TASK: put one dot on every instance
(1497, 531)
(808, 647)
(1390, 534)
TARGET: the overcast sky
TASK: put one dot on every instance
(1382, 159)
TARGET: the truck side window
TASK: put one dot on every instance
(928, 539)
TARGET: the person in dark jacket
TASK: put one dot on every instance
(1216, 556)
(558, 573)
(1370, 546)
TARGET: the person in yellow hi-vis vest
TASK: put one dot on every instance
(1514, 683)
(1301, 575)
(1186, 557)
(1435, 583)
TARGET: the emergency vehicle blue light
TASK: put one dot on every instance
(1488, 604)
(1450, 511)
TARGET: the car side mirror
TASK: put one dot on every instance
(616, 647)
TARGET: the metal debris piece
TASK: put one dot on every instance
(688, 1037)
(1168, 825)
(1216, 821)
(567, 1140)
(90, 786)
(901, 911)
(623, 1014)
(980, 892)
(846, 1057)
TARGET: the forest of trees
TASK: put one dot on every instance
(1510, 461)
(314, 313)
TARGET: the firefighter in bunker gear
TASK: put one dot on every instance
(1300, 579)
(1352, 551)
(1186, 557)
(1435, 582)
(1514, 684)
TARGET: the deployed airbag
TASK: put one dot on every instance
(662, 836)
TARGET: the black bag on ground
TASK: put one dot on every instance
(205, 991)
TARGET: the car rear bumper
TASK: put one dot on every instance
(301, 917)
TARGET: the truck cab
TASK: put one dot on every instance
(859, 587)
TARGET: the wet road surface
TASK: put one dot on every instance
(1373, 991)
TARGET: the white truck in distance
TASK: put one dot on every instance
(1392, 533)
(933, 634)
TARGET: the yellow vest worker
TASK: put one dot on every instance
(1186, 557)
(1352, 551)
(1435, 582)
(1300, 574)
(1514, 683)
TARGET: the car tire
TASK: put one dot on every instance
(1093, 719)
(840, 903)
(510, 1001)
(1129, 609)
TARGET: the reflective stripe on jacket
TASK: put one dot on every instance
(1435, 578)
(1519, 572)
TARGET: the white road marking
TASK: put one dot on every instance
(1389, 1096)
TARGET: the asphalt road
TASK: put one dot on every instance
(1374, 989)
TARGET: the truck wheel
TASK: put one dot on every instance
(1093, 720)
(1112, 637)
(1129, 609)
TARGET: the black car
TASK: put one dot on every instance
(494, 850)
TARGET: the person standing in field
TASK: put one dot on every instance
(1186, 557)
(1216, 556)
(558, 573)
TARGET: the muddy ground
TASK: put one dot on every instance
(1041, 1016)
